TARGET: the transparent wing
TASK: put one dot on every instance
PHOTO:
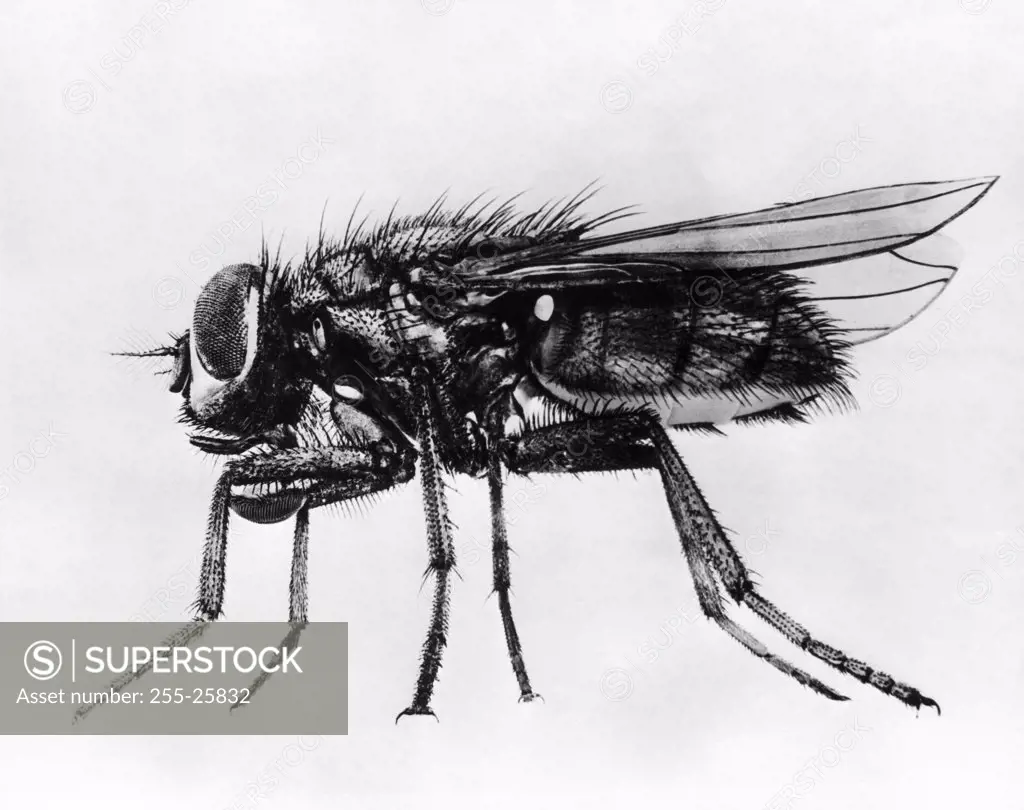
(871, 258)
(870, 297)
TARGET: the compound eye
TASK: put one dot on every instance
(225, 321)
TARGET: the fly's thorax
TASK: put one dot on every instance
(415, 331)
(358, 334)
(466, 344)
(347, 349)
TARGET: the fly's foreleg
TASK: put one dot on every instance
(345, 474)
(183, 637)
(298, 601)
(393, 469)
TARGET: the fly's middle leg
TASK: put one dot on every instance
(440, 545)
(503, 580)
(518, 455)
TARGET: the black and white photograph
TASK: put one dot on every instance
(442, 403)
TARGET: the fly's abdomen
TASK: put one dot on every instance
(757, 341)
(614, 343)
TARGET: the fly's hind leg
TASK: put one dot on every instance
(736, 578)
(631, 442)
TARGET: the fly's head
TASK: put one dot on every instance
(290, 362)
(250, 388)
(238, 376)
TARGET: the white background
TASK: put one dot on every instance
(878, 522)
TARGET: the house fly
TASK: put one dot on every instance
(485, 341)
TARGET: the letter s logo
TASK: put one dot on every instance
(43, 660)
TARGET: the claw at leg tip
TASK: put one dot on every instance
(412, 711)
(929, 702)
